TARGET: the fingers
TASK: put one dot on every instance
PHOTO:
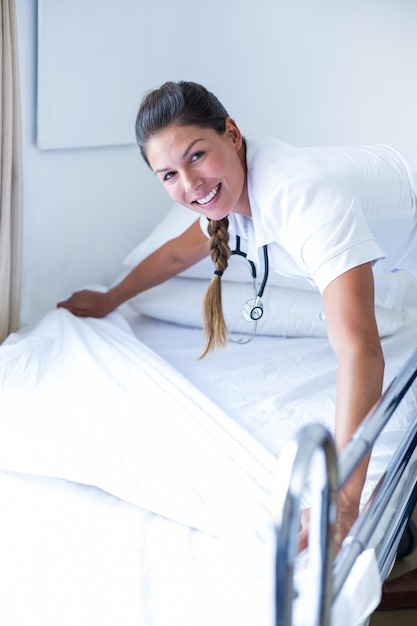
(72, 309)
(74, 303)
(303, 534)
(65, 304)
(87, 303)
(83, 304)
(344, 522)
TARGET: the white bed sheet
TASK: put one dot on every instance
(112, 509)
(83, 400)
(273, 386)
(73, 555)
(92, 553)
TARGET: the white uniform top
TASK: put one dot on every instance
(323, 211)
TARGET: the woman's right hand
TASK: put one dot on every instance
(87, 303)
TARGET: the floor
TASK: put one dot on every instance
(407, 617)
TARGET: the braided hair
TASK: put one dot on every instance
(214, 324)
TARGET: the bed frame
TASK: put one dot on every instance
(366, 531)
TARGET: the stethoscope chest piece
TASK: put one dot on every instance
(253, 310)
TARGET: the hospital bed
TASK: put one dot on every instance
(140, 485)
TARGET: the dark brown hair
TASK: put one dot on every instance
(183, 103)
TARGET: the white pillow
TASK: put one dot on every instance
(389, 288)
(287, 312)
(177, 220)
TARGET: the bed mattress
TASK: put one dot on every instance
(136, 479)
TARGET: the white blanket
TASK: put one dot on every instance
(84, 400)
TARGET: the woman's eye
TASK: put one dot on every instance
(169, 175)
(197, 155)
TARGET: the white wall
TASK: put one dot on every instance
(83, 209)
(307, 71)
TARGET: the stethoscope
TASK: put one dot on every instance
(253, 309)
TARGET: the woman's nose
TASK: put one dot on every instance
(191, 181)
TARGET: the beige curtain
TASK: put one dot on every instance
(10, 173)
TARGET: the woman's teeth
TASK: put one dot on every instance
(209, 196)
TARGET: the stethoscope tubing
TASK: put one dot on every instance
(240, 252)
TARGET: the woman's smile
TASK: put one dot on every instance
(213, 193)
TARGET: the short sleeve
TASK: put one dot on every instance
(326, 232)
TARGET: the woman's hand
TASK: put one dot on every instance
(347, 514)
(87, 303)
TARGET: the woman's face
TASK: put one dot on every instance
(200, 169)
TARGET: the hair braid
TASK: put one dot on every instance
(214, 325)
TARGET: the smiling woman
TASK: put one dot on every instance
(331, 215)
(198, 153)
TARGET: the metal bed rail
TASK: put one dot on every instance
(299, 453)
(378, 512)
(377, 506)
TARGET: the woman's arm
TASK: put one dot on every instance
(167, 261)
(354, 337)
